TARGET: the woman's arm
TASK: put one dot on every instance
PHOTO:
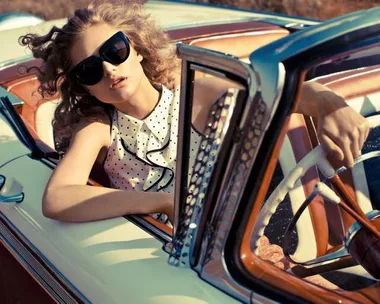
(341, 130)
(68, 198)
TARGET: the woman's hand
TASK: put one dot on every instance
(341, 130)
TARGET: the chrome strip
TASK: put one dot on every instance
(248, 133)
(239, 167)
(26, 258)
(259, 106)
(150, 228)
(355, 227)
(207, 155)
(211, 60)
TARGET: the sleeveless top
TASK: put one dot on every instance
(142, 154)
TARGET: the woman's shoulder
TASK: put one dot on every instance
(94, 130)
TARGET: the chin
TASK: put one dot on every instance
(115, 97)
(124, 94)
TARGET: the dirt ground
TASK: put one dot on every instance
(318, 9)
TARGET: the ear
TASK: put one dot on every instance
(140, 57)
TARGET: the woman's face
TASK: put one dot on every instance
(120, 82)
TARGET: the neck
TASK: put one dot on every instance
(142, 102)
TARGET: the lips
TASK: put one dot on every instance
(117, 82)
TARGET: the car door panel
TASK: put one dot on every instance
(107, 260)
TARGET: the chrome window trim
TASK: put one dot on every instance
(253, 119)
(150, 228)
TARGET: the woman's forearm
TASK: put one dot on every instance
(81, 203)
(340, 129)
(317, 99)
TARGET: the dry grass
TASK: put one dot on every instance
(319, 9)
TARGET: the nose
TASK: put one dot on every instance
(108, 68)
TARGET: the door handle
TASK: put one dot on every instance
(15, 198)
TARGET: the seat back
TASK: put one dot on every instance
(312, 229)
(240, 44)
(43, 120)
(37, 112)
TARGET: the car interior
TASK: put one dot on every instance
(316, 248)
(321, 233)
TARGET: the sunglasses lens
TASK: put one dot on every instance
(90, 72)
(116, 50)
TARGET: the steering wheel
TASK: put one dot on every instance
(316, 157)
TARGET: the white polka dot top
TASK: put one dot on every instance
(142, 155)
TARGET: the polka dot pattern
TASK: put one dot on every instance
(142, 155)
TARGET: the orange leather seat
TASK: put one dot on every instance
(37, 112)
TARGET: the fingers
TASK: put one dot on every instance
(358, 138)
(354, 144)
(332, 148)
(349, 153)
(340, 150)
(364, 131)
(347, 139)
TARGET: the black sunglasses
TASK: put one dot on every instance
(115, 51)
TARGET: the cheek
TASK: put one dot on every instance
(97, 90)
(132, 66)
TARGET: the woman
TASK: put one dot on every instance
(115, 69)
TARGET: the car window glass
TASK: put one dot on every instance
(214, 100)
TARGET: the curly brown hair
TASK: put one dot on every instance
(159, 63)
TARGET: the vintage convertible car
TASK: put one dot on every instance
(265, 216)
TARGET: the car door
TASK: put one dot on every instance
(109, 261)
(219, 234)
(23, 177)
(342, 54)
